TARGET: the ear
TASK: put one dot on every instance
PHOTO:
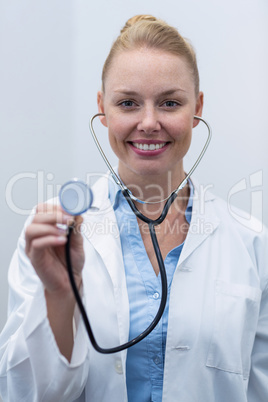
(198, 107)
(100, 101)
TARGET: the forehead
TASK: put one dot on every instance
(145, 67)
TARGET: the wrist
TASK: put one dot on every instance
(60, 313)
(62, 289)
(62, 298)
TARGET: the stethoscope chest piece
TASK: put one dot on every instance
(75, 197)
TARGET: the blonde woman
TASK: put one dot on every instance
(212, 342)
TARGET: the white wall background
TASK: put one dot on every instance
(51, 57)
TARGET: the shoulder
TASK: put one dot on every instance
(227, 214)
(238, 220)
(236, 230)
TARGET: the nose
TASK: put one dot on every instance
(149, 120)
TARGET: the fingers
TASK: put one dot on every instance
(41, 235)
(49, 228)
(48, 213)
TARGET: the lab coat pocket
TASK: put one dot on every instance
(236, 311)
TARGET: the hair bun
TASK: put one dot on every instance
(146, 31)
(135, 19)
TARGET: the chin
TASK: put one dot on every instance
(149, 169)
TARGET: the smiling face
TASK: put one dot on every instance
(149, 103)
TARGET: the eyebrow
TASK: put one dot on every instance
(165, 93)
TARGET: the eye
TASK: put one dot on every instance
(170, 104)
(127, 104)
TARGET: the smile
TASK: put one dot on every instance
(148, 147)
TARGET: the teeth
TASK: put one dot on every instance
(148, 147)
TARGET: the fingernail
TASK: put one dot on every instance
(62, 226)
(62, 230)
(61, 239)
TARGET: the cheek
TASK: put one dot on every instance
(117, 133)
(181, 133)
(119, 128)
(181, 129)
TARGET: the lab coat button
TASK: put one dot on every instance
(118, 366)
(156, 295)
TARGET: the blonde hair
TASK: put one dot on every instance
(150, 32)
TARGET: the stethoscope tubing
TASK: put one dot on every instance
(151, 223)
(157, 317)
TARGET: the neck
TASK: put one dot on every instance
(156, 188)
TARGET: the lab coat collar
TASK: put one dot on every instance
(204, 221)
(100, 193)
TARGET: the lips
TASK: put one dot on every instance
(148, 148)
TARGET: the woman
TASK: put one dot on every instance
(212, 341)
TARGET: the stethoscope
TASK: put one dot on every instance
(76, 198)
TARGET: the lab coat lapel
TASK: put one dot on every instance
(203, 223)
(104, 234)
(106, 241)
(104, 237)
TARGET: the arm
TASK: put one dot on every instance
(45, 247)
(258, 380)
(37, 361)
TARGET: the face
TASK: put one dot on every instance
(149, 103)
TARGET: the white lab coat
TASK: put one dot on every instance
(217, 340)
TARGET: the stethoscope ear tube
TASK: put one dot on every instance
(117, 178)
